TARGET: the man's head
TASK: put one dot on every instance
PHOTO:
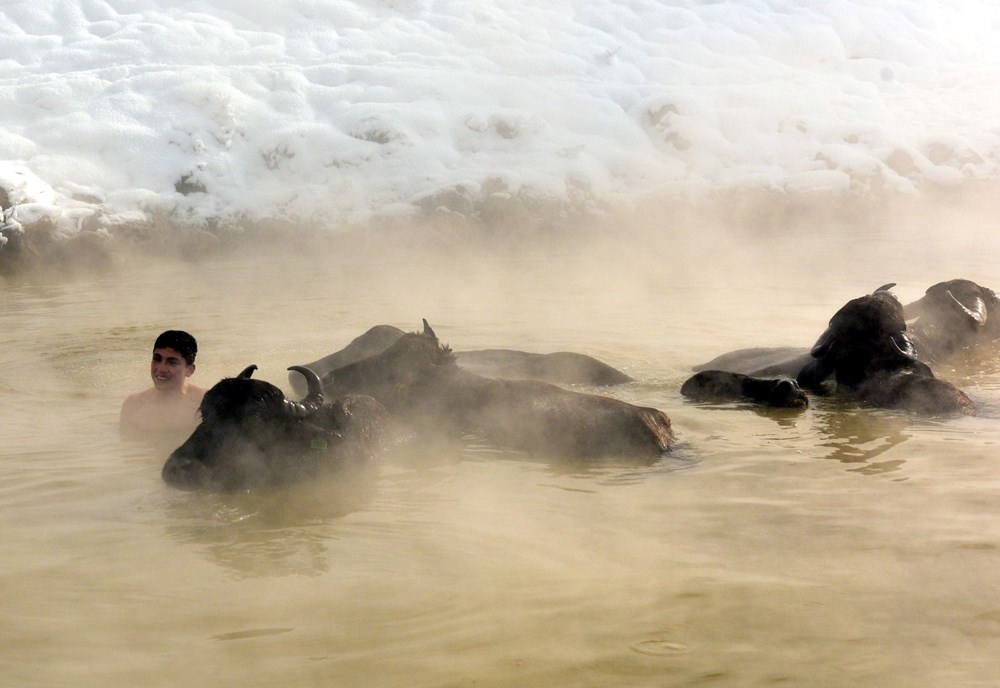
(174, 352)
(179, 341)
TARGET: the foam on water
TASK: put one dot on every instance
(343, 112)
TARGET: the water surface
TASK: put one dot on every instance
(836, 546)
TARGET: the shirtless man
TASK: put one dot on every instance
(170, 407)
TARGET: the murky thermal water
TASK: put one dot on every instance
(830, 547)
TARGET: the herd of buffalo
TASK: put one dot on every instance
(875, 352)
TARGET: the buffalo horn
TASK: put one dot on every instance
(247, 372)
(427, 329)
(313, 400)
(885, 287)
(978, 313)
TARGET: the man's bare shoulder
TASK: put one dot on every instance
(193, 395)
(154, 396)
(137, 399)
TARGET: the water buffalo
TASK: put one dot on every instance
(418, 379)
(251, 436)
(718, 385)
(953, 316)
(562, 367)
(866, 355)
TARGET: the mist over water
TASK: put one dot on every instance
(649, 183)
(804, 547)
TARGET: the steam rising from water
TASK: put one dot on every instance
(651, 183)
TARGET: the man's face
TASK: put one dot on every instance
(169, 369)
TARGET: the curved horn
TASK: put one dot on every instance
(247, 372)
(978, 313)
(313, 400)
(427, 329)
(886, 290)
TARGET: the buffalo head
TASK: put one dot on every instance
(869, 354)
(866, 336)
(394, 375)
(250, 435)
(954, 315)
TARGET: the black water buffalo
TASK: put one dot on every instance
(718, 385)
(418, 379)
(251, 436)
(953, 316)
(564, 367)
(868, 353)
(864, 355)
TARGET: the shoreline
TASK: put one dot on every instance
(100, 244)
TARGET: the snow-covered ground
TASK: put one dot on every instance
(343, 112)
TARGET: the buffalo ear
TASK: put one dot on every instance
(824, 344)
(247, 372)
(906, 348)
(427, 329)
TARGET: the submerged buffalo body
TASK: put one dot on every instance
(417, 379)
(562, 367)
(251, 436)
(374, 341)
(778, 361)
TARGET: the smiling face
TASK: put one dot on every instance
(169, 370)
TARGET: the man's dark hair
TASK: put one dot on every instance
(180, 341)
